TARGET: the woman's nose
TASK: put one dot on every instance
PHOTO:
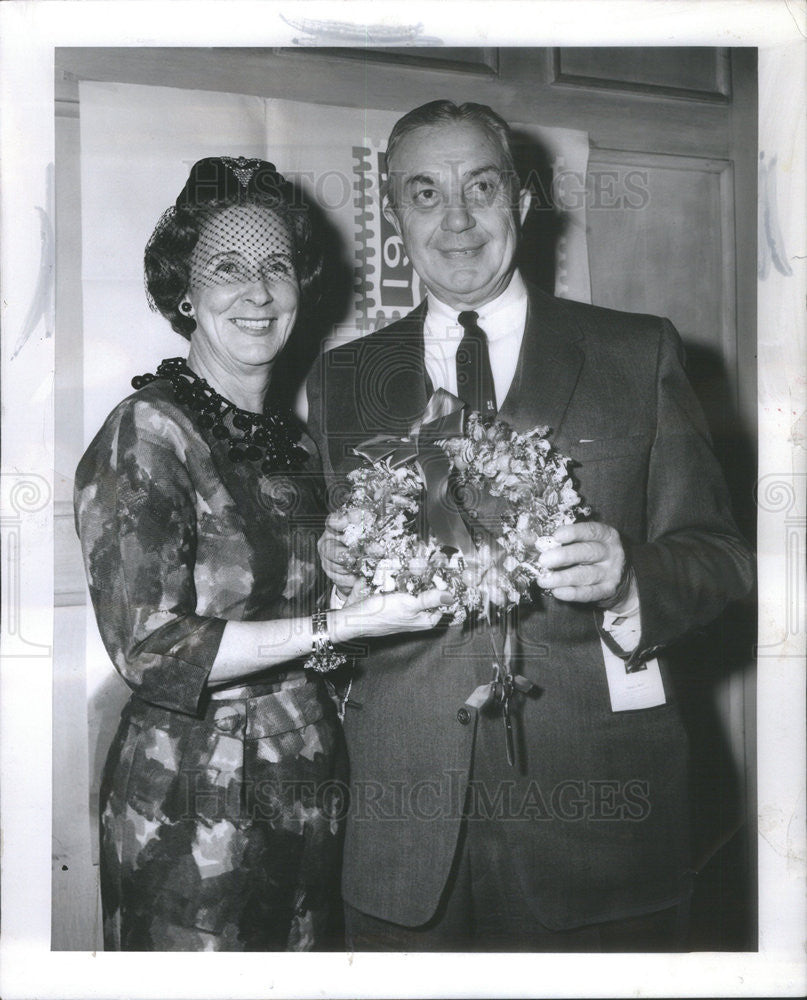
(259, 290)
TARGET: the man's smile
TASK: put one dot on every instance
(454, 253)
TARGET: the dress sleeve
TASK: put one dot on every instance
(695, 561)
(136, 518)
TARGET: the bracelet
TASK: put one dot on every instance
(324, 657)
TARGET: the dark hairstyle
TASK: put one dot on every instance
(216, 183)
(448, 113)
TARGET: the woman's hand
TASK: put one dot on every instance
(333, 553)
(368, 614)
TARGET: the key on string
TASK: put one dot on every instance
(507, 690)
(496, 684)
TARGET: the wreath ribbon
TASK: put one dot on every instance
(443, 417)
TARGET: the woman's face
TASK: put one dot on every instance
(243, 287)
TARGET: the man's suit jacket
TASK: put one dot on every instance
(594, 818)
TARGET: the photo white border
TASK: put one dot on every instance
(30, 31)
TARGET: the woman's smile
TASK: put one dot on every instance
(253, 325)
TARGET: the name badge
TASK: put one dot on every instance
(640, 689)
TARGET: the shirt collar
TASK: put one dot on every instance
(501, 316)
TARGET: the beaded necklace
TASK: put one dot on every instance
(269, 437)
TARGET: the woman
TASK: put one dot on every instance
(199, 505)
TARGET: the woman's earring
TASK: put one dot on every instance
(186, 308)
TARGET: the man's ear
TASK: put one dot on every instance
(524, 202)
(389, 214)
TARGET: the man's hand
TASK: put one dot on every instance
(588, 567)
(333, 552)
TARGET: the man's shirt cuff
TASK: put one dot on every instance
(624, 622)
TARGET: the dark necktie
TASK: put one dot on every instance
(475, 384)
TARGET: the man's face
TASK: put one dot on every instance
(454, 213)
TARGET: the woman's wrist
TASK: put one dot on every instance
(324, 657)
(339, 626)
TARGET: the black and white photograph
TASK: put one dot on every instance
(403, 501)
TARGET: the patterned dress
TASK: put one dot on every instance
(220, 808)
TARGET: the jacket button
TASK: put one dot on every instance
(463, 716)
(227, 719)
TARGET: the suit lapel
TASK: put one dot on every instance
(392, 374)
(548, 366)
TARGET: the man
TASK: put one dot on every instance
(582, 844)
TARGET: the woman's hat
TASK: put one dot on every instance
(233, 180)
